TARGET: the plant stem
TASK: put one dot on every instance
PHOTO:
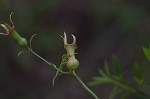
(73, 72)
(50, 64)
(84, 86)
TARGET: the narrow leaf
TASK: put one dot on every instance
(114, 92)
(146, 52)
(101, 72)
(62, 64)
(106, 68)
(138, 76)
(138, 72)
(56, 75)
(117, 66)
(21, 52)
(100, 80)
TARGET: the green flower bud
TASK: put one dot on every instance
(22, 42)
(10, 31)
(72, 63)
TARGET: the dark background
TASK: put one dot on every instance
(102, 27)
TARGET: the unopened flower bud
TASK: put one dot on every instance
(72, 63)
(22, 42)
(10, 31)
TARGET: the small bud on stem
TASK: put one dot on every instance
(10, 31)
(72, 63)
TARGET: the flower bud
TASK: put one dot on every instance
(72, 63)
(10, 31)
(22, 42)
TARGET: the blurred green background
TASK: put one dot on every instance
(102, 27)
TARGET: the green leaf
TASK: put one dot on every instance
(114, 92)
(139, 77)
(101, 80)
(117, 66)
(101, 72)
(62, 64)
(21, 52)
(146, 52)
(106, 68)
(139, 81)
(138, 73)
(56, 75)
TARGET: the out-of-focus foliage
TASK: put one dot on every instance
(121, 84)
